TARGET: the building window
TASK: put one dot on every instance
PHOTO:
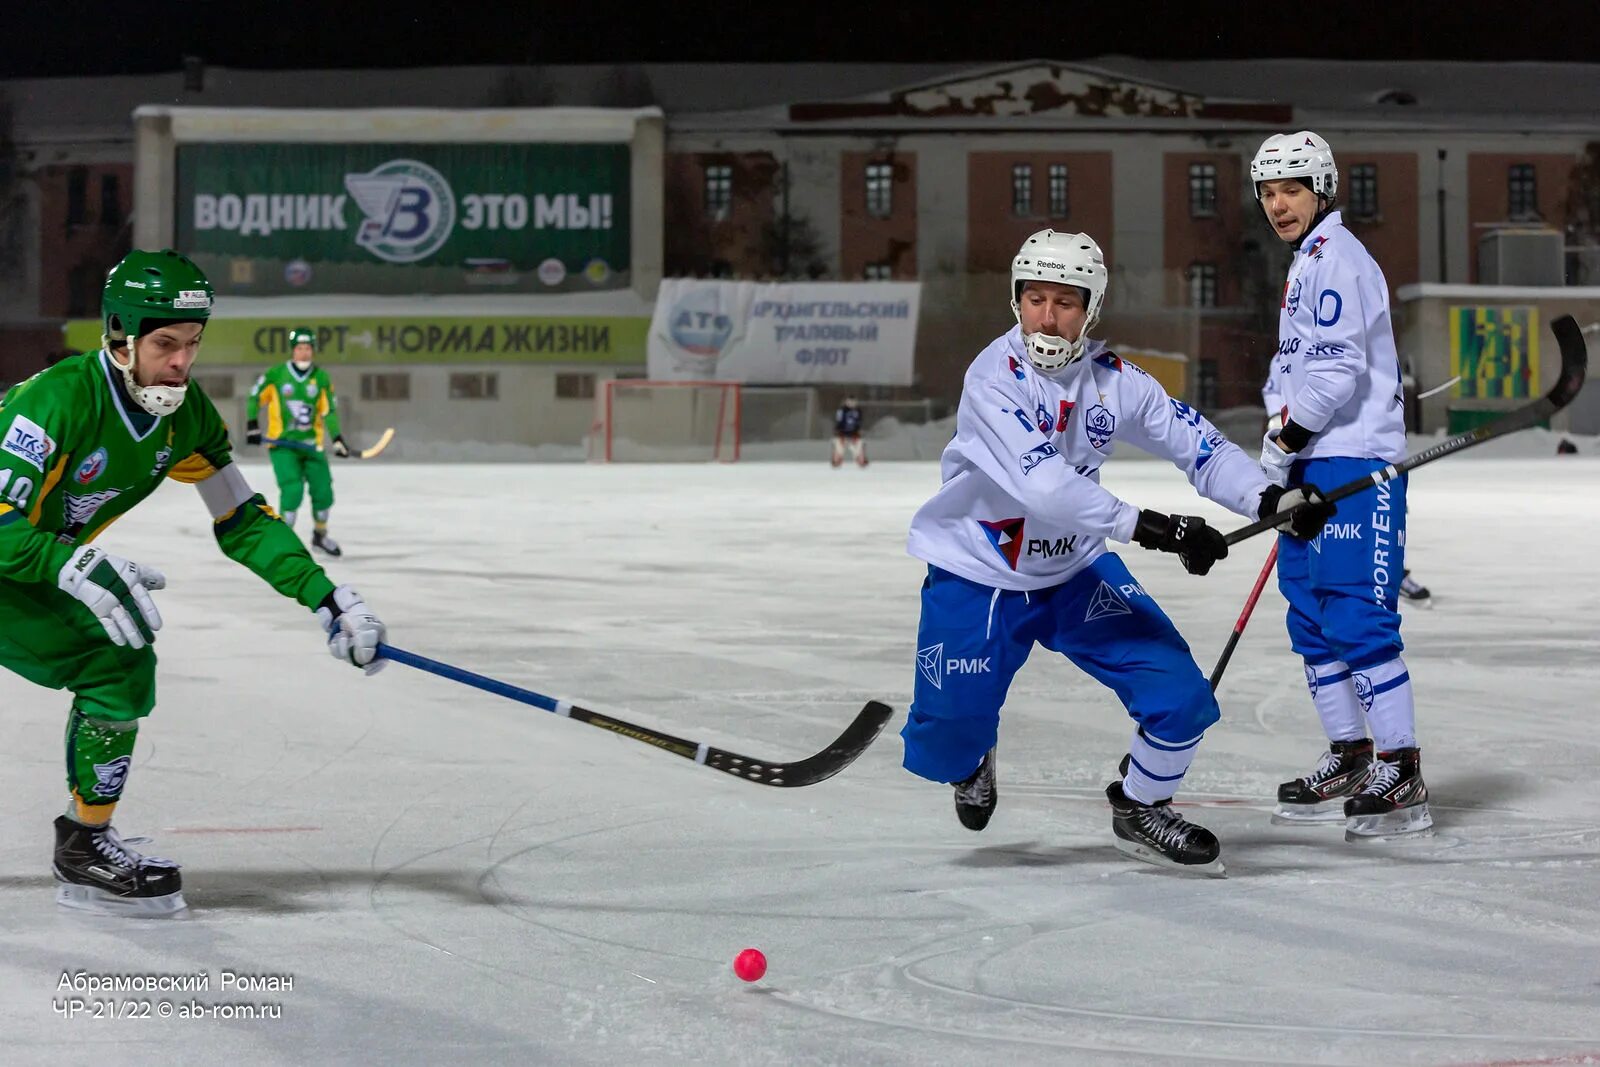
(77, 196)
(110, 202)
(1022, 189)
(1202, 190)
(1059, 205)
(1206, 387)
(578, 386)
(878, 272)
(1522, 192)
(1364, 191)
(880, 190)
(474, 385)
(719, 191)
(216, 386)
(1203, 285)
(394, 386)
(84, 286)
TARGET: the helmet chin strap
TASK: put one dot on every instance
(158, 400)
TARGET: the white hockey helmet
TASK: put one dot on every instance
(1296, 155)
(1065, 259)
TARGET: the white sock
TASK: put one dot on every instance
(1157, 767)
(1385, 691)
(1338, 706)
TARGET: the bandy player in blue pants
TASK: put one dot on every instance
(1338, 373)
(1015, 540)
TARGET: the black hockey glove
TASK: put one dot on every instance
(1196, 544)
(340, 449)
(1312, 509)
(252, 432)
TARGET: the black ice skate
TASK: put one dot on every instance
(976, 795)
(1157, 834)
(1394, 801)
(1415, 591)
(1319, 796)
(97, 871)
(321, 541)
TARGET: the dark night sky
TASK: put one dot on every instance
(57, 37)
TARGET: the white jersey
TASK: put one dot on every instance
(1021, 506)
(1336, 366)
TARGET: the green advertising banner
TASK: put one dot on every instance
(1495, 352)
(266, 219)
(416, 339)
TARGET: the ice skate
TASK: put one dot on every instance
(1414, 591)
(976, 795)
(1320, 796)
(1394, 802)
(1155, 833)
(322, 542)
(97, 871)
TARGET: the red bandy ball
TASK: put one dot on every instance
(750, 964)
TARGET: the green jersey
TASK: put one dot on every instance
(76, 454)
(300, 405)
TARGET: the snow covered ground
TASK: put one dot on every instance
(448, 876)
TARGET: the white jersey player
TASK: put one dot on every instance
(1015, 540)
(1336, 384)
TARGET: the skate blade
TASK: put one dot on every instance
(88, 898)
(1329, 811)
(1214, 869)
(1414, 821)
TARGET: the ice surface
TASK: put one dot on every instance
(451, 877)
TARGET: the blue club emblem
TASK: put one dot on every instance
(1099, 425)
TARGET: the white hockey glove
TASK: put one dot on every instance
(354, 632)
(117, 591)
(1275, 462)
(1279, 448)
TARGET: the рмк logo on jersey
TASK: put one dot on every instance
(410, 210)
(1006, 537)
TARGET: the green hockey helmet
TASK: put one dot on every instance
(149, 289)
(303, 335)
(144, 292)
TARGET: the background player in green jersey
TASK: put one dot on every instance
(302, 420)
(81, 444)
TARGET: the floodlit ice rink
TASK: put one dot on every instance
(451, 877)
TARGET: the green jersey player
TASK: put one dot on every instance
(81, 444)
(302, 420)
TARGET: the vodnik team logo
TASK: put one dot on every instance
(111, 777)
(91, 468)
(81, 509)
(410, 210)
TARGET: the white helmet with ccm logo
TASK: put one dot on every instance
(1301, 155)
(1066, 259)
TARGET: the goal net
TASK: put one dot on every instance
(642, 420)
